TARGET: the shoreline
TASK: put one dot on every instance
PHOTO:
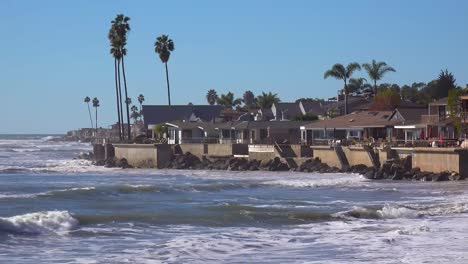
(394, 170)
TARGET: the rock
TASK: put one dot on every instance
(443, 176)
(397, 176)
(369, 175)
(122, 163)
(110, 162)
(456, 177)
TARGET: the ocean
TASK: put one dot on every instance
(57, 209)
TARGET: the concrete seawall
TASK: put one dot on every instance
(144, 155)
(427, 159)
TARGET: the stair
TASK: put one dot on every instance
(287, 154)
(374, 157)
(342, 158)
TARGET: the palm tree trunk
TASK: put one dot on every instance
(118, 99)
(375, 88)
(90, 118)
(168, 90)
(126, 102)
(346, 97)
(96, 124)
(141, 110)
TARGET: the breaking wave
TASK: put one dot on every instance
(39, 223)
(403, 211)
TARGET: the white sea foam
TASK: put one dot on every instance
(388, 212)
(321, 180)
(38, 223)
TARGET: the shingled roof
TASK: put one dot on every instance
(159, 114)
(358, 119)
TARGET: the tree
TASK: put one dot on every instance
(120, 28)
(141, 99)
(413, 93)
(249, 99)
(266, 100)
(211, 97)
(117, 55)
(228, 101)
(339, 72)
(376, 71)
(306, 117)
(386, 100)
(87, 100)
(453, 105)
(96, 105)
(358, 85)
(445, 83)
(164, 46)
(135, 114)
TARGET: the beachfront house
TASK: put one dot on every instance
(357, 125)
(239, 132)
(424, 123)
(159, 114)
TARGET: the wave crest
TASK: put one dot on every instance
(39, 223)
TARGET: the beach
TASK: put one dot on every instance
(57, 209)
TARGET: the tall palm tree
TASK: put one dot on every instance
(87, 100)
(266, 100)
(228, 101)
(211, 97)
(340, 72)
(249, 99)
(121, 27)
(96, 105)
(116, 53)
(376, 71)
(164, 46)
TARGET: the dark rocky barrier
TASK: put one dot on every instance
(390, 170)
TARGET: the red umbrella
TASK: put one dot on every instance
(440, 138)
(421, 135)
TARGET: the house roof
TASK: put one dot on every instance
(354, 103)
(240, 125)
(313, 107)
(442, 101)
(411, 115)
(357, 119)
(266, 113)
(289, 110)
(158, 114)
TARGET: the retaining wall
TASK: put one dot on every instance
(327, 155)
(357, 155)
(144, 155)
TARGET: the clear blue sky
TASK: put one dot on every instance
(54, 53)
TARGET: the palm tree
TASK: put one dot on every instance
(358, 85)
(164, 46)
(266, 100)
(116, 52)
(96, 105)
(141, 99)
(339, 72)
(211, 97)
(228, 101)
(120, 28)
(87, 100)
(249, 99)
(376, 71)
(135, 115)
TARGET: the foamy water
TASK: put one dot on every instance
(54, 209)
